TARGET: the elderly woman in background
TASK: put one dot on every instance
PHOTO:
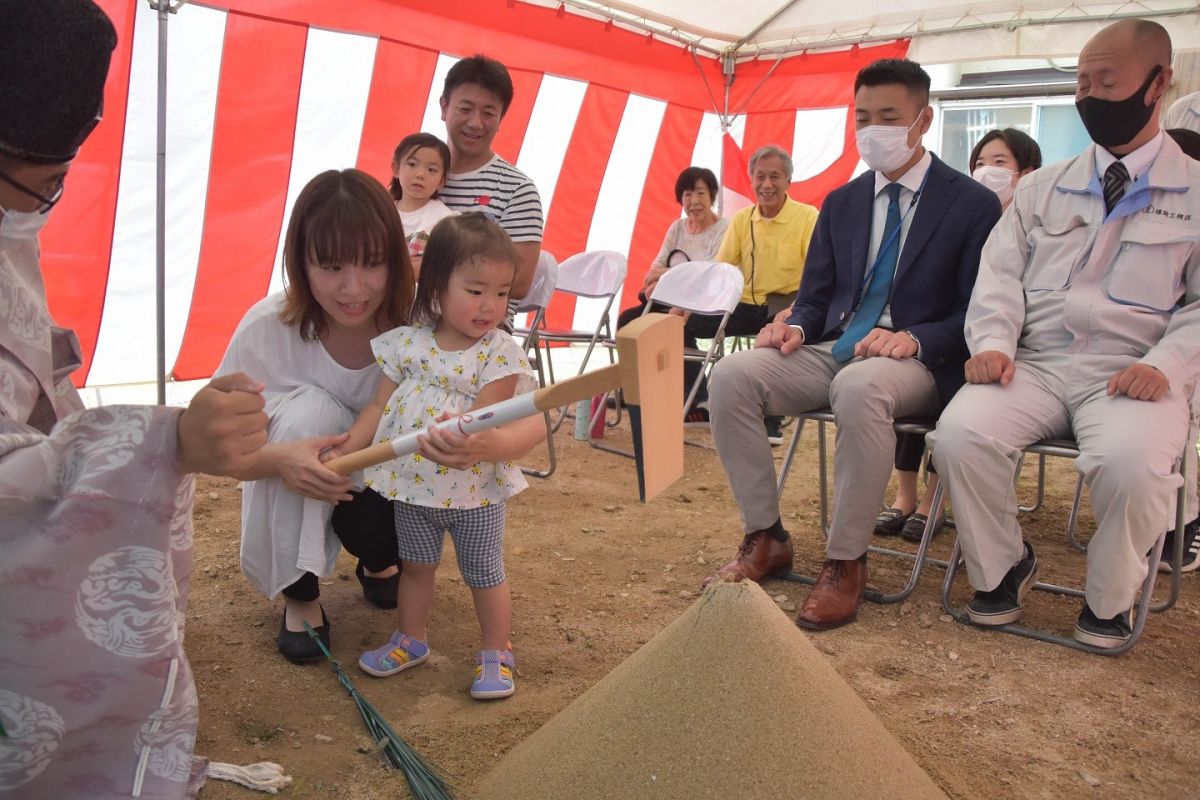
(999, 159)
(694, 237)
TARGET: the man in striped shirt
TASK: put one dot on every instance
(475, 97)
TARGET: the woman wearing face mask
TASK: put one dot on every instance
(999, 159)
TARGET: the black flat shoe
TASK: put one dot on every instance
(890, 522)
(914, 529)
(297, 647)
(380, 592)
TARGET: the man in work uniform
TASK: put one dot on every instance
(1084, 320)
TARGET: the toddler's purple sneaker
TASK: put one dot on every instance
(401, 652)
(493, 675)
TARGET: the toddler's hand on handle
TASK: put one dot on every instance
(451, 448)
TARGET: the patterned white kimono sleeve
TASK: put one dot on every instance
(96, 695)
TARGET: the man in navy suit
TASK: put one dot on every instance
(876, 333)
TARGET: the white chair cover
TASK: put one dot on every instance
(702, 287)
(597, 273)
(545, 278)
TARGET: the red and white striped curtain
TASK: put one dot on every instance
(264, 95)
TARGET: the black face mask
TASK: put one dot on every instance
(1112, 123)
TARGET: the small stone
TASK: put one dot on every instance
(295, 745)
(701, 561)
(322, 738)
(788, 607)
(258, 624)
(569, 636)
(624, 594)
(1088, 778)
(343, 576)
(684, 594)
(780, 598)
(683, 498)
(945, 618)
(953, 656)
(610, 509)
(214, 496)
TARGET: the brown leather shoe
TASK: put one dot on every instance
(760, 556)
(834, 599)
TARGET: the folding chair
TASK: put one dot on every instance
(545, 278)
(596, 274)
(911, 426)
(709, 288)
(1066, 448)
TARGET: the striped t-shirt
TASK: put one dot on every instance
(501, 191)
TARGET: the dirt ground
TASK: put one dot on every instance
(595, 574)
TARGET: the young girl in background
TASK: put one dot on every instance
(452, 359)
(419, 168)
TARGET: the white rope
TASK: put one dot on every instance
(264, 776)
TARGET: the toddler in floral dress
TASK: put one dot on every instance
(453, 359)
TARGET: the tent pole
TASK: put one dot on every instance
(740, 43)
(163, 7)
(160, 212)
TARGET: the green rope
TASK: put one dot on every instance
(423, 780)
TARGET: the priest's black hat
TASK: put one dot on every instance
(54, 57)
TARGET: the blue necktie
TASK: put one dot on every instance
(880, 289)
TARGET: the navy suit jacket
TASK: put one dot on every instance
(934, 275)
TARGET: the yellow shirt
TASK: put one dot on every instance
(772, 261)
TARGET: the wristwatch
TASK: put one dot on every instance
(913, 336)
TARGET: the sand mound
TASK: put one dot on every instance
(729, 701)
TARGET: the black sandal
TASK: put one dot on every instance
(379, 592)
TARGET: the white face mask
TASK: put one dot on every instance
(22, 225)
(884, 148)
(998, 179)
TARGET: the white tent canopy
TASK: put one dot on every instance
(940, 31)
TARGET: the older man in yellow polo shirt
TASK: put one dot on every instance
(768, 242)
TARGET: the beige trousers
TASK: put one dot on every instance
(1128, 453)
(866, 395)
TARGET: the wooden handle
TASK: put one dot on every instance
(367, 457)
(581, 387)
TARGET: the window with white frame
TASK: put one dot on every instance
(1052, 122)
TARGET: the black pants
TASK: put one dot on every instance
(366, 527)
(746, 320)
(910, 448)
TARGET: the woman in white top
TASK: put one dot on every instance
(696, 236)
(348, 280)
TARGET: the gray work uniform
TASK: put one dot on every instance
(1075, 296)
